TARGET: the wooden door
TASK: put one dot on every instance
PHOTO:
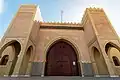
(61, 60)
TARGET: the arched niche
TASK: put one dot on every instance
(113, 52)
(100, 62)
(26, 60)
(12, 49)
(62, 59)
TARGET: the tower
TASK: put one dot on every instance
(102, 41)
(19, 41)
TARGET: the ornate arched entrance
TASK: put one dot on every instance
(61, 60)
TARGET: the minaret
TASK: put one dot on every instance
(100, 37)
(19, 41)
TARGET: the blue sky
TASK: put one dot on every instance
(73, 10)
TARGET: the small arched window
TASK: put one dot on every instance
(4, 60)
(116, 61)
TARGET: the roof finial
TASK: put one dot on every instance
(61, 16)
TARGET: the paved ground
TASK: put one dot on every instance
(59, 78)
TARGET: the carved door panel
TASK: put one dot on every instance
(60, 60)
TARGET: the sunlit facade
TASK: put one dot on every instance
(33, 47)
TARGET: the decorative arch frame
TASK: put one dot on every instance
(7, 44)
(113, 45)
(108, 51)
(101, 57)
(4, 46)
(67, 40)
(31, 53)
(92, 52)
(27, 58)
(17, 51)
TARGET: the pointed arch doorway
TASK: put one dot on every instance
(61, 60)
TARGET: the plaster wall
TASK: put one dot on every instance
(48, 36)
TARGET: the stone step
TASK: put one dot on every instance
(60, 78)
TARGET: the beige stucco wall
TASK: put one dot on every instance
(48, 36)
(89, 32)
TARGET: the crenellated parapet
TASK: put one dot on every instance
(69, 24)
(95, 9)
(90, 11)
